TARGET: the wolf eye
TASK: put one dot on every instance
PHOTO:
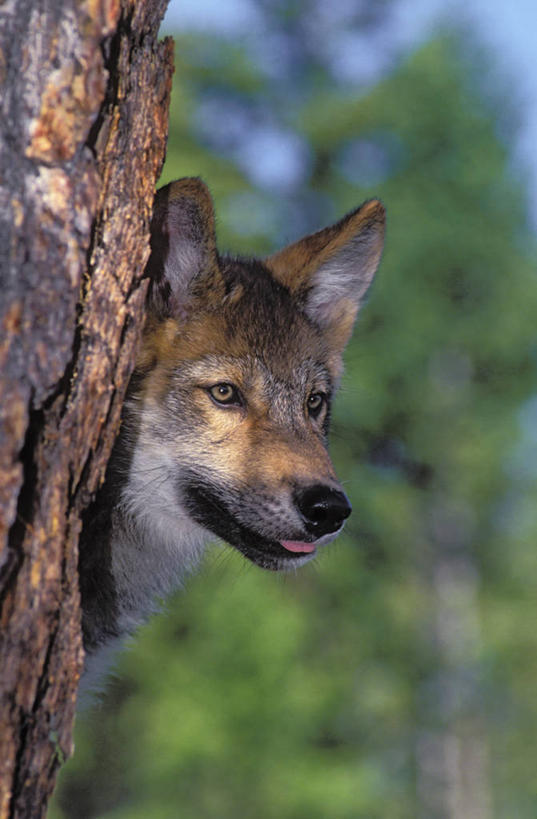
(225, 394)
(315, 403)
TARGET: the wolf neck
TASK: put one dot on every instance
(151, 553)
(133, 553)
(128, 563)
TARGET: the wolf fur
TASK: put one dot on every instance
(225, 422)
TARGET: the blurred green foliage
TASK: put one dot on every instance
(398, 673)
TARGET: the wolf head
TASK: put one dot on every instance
(234, 383)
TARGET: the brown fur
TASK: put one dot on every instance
(254, 471)
(235, 314)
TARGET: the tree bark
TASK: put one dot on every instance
(84, 93)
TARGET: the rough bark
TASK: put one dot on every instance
(84, 92)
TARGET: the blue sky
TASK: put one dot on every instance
(508, 28)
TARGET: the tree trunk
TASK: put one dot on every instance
(84, 92)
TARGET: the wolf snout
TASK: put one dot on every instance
(323, 509)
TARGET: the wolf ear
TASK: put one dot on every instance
(331, 270)
(183, 244)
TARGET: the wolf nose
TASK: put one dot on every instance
(323, 509)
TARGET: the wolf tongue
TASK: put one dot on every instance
(297, 546)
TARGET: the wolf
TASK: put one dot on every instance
(225, 423)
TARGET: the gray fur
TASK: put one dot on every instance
(346, 275)
(186, 469)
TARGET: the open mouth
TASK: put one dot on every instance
(210, 513)
(274, 555)
(298, 546)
